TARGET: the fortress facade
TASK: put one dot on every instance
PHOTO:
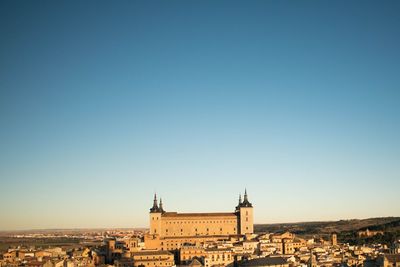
(170, 230)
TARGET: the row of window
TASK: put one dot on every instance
(220, 229)
(158, 264)
(198, 234)
(152, 258)
(191, 222)
(217, 258)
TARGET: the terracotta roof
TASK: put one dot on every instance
(151, 252)
(215, 214)
(196, 236)
(269, 261)
(217, 249)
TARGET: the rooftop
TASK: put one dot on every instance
(151, 252)
(208, 214)
(265, 261)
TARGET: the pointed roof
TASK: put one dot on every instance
(246, 202)
(155, 205)
(195, 262)
(161, 206)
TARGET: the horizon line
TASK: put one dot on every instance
(135, 228)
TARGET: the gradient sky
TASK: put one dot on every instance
(102, 103)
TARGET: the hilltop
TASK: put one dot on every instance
(327, 227)
(346, 229)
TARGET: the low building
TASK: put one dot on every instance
(218, 257)
(268, 261)
(153, 258)
(188, 253)
(368, 233)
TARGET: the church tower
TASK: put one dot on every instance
(155, 217)
(334, 239)
(245, 213)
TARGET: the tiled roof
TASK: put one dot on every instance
(197, 237)
(151, 252)
(215, 214)
(269, 261)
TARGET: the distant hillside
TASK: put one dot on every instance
(324, 228)
(389, 226)
(66, 231)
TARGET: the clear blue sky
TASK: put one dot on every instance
(103, 103)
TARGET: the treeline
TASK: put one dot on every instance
(296, 228)
(352, 238)
(383, 227)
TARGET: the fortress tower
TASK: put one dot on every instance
(244, 213)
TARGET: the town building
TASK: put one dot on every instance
(368, 233)
(268, 261)
(153, 258)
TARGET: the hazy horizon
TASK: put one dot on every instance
(102, 104)
(147, 227)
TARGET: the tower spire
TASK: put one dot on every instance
(161, 206)
(240, 199)
(155, 205)
(155, 200)
(246, 202)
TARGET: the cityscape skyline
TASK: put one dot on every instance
(193, 210)
(102, 105)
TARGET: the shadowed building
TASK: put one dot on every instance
(389, 260)
(268, 261)
(369, 233)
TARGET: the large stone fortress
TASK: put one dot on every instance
(169, 230)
